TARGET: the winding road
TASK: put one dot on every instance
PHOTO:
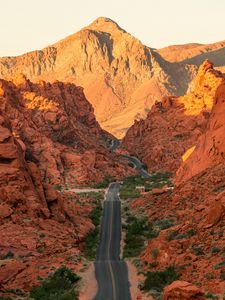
(111, 272)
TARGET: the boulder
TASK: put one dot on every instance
(182, 290)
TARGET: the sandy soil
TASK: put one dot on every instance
(134, 280)
(86, 190)
(89, 284)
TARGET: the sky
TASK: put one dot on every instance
(27, 25)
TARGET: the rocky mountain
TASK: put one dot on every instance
(174, 124)
(121, 77)
(195, 53)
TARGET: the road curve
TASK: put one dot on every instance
(111, 272)
(138, 166)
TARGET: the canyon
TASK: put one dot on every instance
(61, 111)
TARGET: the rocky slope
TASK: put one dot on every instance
(61, 135)
(194, 245)
(195, 53)
(121, 77)
(210, 148)
(39, 228)
(49, 139)
(174, 124)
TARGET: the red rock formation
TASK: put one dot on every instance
(182, 290)
(58, 127)
(210, 148)
(38, 226)
(48, 136)
(195, 242)
(173, 125)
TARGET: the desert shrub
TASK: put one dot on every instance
(137, 232)
(8, 255)
(176, 235)
(211, 296)
(105, 183)
(58, 286)
(164, 223)
(92, 237)
(220, 265)
(58, 187)
(215, 250)
(159, 279)
(155, 253)
(197, 250)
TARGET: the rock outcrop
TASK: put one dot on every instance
(182, 290)
(173, 125)
(210, 148)
(39, 228)
(56, 126)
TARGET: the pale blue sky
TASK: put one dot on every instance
(27, 25)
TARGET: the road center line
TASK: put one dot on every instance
(109, 244)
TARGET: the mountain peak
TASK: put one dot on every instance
(104, 24)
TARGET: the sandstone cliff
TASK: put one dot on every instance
(173, 125)
(49, 139)
(57, 125)
(210, 148)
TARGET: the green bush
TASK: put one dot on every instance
(215, 250)
(211, 296)
(92, 237)
(58, 187)
(155, 253)
(137, 232)
(58, 286)
(128, 188)
(91, 243)
(9, 255)
(159, 279)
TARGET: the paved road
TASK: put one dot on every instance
(110, 271)
(115, 143)
(134, 160)
(138, 166)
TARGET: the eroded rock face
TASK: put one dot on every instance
(174, 125)
(38, 226)
(56, 125)
(121, 77)
(194, 242)
(48, 137)
(210, 148)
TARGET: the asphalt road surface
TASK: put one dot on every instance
(134, 160)
(138, 166)
(111, 272)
